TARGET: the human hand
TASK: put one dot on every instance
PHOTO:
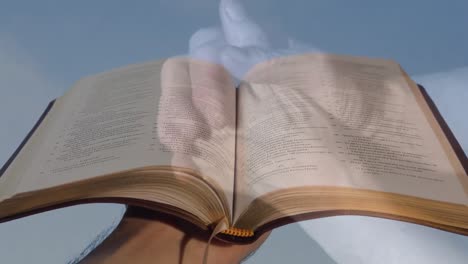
(239, 43)
(145, 236)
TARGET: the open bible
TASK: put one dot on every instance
(300, 137)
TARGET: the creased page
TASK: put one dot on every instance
(327, 120)
(174, 112)
(102, 125)
(197, 120)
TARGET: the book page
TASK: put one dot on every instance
(328, 120)
(174, 112)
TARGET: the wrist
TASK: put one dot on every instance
(138, 240)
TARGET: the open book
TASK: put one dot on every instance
(300, 137)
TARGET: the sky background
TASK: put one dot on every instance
(73, 39)
(46, 46)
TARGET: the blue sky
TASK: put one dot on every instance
(72, 39)
(45, 46)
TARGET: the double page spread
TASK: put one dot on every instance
(301, 136)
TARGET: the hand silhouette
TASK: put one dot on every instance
(142, 237)
(239, 43)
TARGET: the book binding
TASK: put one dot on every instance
(26, 139)
(446, 129)
(244, 236)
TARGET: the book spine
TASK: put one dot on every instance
(26, 139)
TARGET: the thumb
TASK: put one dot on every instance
(239, 29)
(206, 44)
